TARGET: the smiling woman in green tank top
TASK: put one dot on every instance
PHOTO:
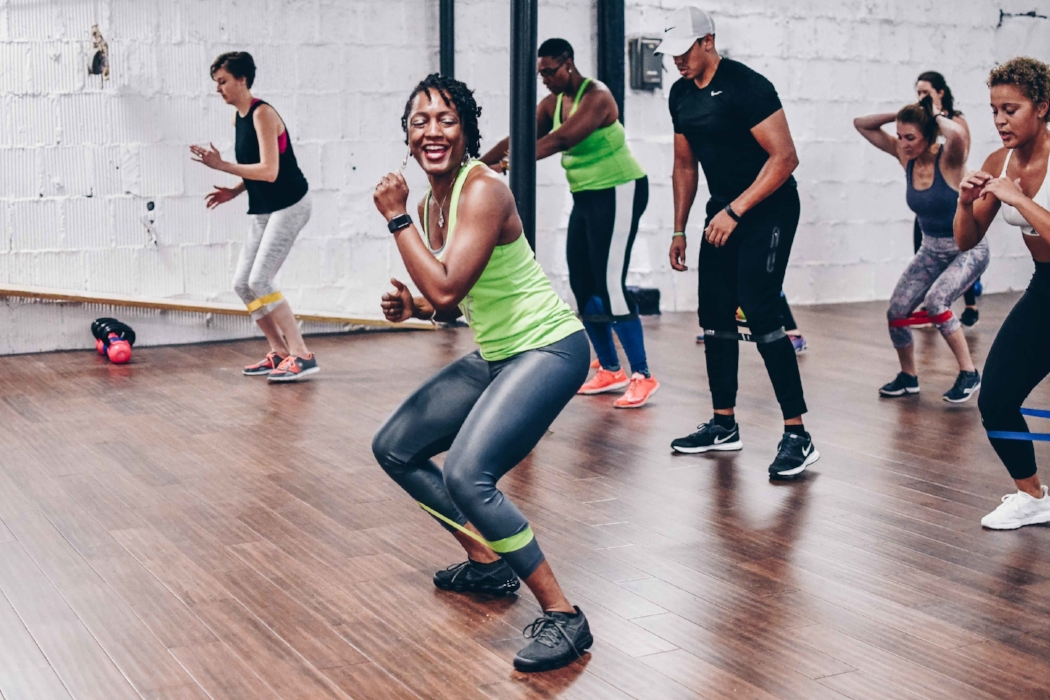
(489, 409)
(580, 120)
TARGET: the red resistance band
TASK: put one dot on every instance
(921, 317)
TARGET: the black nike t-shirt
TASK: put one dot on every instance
(717, 121)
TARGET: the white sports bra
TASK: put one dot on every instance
(1042, 198)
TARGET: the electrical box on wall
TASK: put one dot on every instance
(647, 68)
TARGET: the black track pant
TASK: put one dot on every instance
(1018, 361)
(748, 271)
(488, 416)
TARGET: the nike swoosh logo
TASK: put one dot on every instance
(807, 450)
(668, 29)
(716, 94)
(725, 439)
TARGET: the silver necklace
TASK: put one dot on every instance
(441, 211)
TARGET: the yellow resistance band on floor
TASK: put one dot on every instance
(507, 544)
(263, 301)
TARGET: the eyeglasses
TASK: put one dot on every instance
(549, 72)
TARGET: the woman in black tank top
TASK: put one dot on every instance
(279, 206)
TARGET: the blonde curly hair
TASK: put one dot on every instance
(1029, 74)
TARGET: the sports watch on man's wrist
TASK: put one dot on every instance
(399, 222)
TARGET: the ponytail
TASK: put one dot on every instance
(939, 84)
(921, 115)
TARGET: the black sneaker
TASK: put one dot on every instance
(471, 577)
(794, 454)
(969, 317)
(558, 639)
(709, 437)
(966, 385)
(903, 384)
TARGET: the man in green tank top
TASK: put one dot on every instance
(580, 120)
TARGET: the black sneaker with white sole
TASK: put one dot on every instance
(558, 639)
(902, 385)
(495, 579)
(709, 437)
(966, 385)
(794, 454)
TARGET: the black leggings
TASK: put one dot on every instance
(970, 295)
(488, 416)
(1017, 362)
(602, 227)
(748, 271)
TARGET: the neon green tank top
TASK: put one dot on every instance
(512, 307)
(600, 161)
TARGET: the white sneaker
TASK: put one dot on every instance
(1017, 510)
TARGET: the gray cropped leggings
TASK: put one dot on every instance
(265, 248)
(938, 275)
(488, 416)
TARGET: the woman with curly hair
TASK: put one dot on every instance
(939, 273)
(1018, 360)
(490, 408)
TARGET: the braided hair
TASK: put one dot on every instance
(454, 93)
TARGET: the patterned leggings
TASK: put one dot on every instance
(937, 275)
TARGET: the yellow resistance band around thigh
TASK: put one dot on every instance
(263, 301)
(507, 544)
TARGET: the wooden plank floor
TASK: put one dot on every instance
(173, 530)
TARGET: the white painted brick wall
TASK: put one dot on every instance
(79, 161)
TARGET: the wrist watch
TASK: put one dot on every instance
(399, 222)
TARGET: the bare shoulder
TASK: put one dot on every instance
(484, 185)
(265, 115)
(548, 103)
(993, 164)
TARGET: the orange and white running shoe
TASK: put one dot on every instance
(605, 381)
(293, 368)
(638, 391)
(265, 366)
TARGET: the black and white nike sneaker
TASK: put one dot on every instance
(709, 437)
(794, 454)
(966, 385)
(901, 385)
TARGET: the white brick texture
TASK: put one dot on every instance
(80, 160)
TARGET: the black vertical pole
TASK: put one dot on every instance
(448, 38)
(611, 42)
(523, 20)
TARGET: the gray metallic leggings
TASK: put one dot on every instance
(265, 248)
(938, 275)
(488, 416)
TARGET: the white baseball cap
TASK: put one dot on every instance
(683, 28)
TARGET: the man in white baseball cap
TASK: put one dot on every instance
(728, 120)
(683, 28)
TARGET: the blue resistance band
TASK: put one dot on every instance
(1011, 435)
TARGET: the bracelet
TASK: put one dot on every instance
(732, 214)
(676, 234)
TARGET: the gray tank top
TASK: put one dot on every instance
(934, 206)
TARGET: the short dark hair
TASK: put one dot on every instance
(921, 115)
(1032, 76)
(556, 48)
(239, 64)
(938, 83)
(454, 93)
